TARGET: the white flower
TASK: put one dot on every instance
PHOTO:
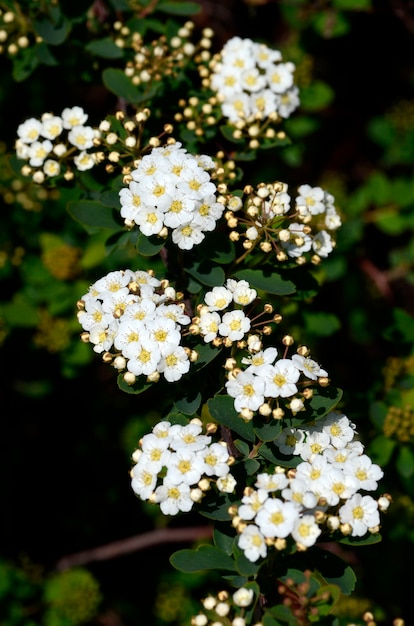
(209, 326)
(271, 482)
(84, 161)
(361, 512)
(81, 137)
(288, 102)
(234, 325)
(314, 474)
(188, 437)
(30, 130)
(184, 466)
(365, 471)
(218, 298)
(215, 460)
(310, 368)
(243, 294)
(165, 332)
(155, 452)
(173, 498)
(338, 428)
(144, 480)
(280, 379)
(174, 363)
(257, 361)
(290, 441)
(38, 151)
(187, 236)
(226, 484)
(298, 492)
(280, 77)
(339, 485)
(252, 542)
(299, 242)
(51, 127)
(248, 391)
(102, 336)
(310, 200)
(129, 332)
(316, 442)
(51, 167)
(322, 244)
(243, 597)
(143, 357)
(150, 220)
(276, 518)
(252, 503)
(306, 531)
(74, 116)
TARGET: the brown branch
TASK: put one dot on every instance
(133, 544)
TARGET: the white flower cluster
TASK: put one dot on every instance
(172, 190)
(313, 214)
(252, 82)
(224, 606)
(324, 489)
(266, 377)
(233, 324)
(44, 142)
(137, 316)
(175, 465)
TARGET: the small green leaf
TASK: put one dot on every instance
(92, 213)
(116, 81)
(381, 449)
(190, 403)
(138, 387)
(268, 281)
(222, 410)
(316, 97)
(223, 537)
(105, 48)
(206, 273)
(405, 462)
(53, 28)
(324, 400)
(179, 8)
(149, 246)
(204, 558)
(334, 570)
(369, 539)
(268, 432)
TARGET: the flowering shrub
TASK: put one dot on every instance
(193, 273)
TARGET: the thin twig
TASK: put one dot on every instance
(133, 544)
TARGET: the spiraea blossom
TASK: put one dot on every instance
(171, 192)
(46, 142)
(252, 82)
(173, 461)
(300, 228)
(221, 317)
(325, 492)
(135, 320)
(270, 381)
(227, 606)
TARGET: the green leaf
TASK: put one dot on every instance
(218, 248)
(268, 432)
(227, 132)
(206, 273)
(91, 213)
(316, 97)
(105, 48)
(190, 403)
(179, 8)
(405, 462)
(324, 400)
(149, 246)
(204, 558)
(24, 64)
(223, 537)
(403, 328)
(334, 570)
(321, 324)
(369, 539)
(222, 410)
(380, 450)
(116, 81)
(53, 28)
(138, 387)
(353, 5)
(206, 353)
(267, 281)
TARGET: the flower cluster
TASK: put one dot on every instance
(325, 492)
(232, 609)
(175, 465)
(252, 82)
(262, 219)
(268, 378)
(139, 319)
(45, 142)
(221, 318)
(171, 190)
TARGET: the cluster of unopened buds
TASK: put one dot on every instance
(266, 218)
(231, 608)
(176, 465)
(14, 33)
(163, 57)
(325, 493)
